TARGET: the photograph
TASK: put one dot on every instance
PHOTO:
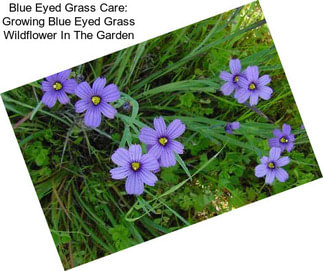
(161, 135)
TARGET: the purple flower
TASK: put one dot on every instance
(271, 167)
(232, 126)
(95, 101)
(56, 86)
(252, 86)
(231, 78)
(283, 139)
(161, 140)
(302, 126)
(136, 167)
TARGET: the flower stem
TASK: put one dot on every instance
(261, 188)
(259, 112)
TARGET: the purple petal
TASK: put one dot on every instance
(175, 129)
(243, 82)
(228, 129)
(156, 150)
(148, 136)
(261, 171)
(121, 157)
(274, 142)
(110, 93)
(149, 162)
(167, 158)
(62, 76)
(119, 173)
(49, 98)
(149, 147)
(70, 86)
(274, 153)
(264, 80)
(47, 86)
(62, 97)
(281, 175)
(252, 73)
(289, 146)
(176, 146)
(160, 126)
(147, 177)
(291, 137)
(253, 98)
(82, 105)
(226, 76)
(235, 66)
(265, 92)
(235, 125)
(134, 186)
(107, 110)
(98, 85)
(227, 88)
(92, 117)
(264, 160)
(270, 177)
(242, 95)
(52, 78)
(83, 90)
(283, 161)
(277, 133)
(135, 152)
(286, 129)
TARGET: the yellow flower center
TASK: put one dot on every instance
(271, 165)
(135, 166)
(236, 79)
(252, 86)
(57, 86)
(284, 140)
(163, 141)
(96, 100)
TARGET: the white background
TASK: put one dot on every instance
(283, 232)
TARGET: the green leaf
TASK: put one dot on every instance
(187, 99)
